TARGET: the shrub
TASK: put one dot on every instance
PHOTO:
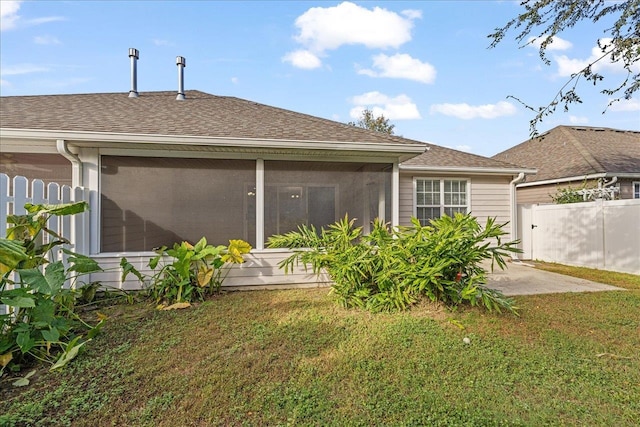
(41, 321)
(392, 269)
(191, 272)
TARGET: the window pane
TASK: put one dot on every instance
(436, 198)
(451, 210)
(447, 199)
(46, 167)
(149, 202)
(425, 214)
(320, 193)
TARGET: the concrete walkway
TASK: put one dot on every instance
(521, 278)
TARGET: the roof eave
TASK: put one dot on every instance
(475, 170)
(404, 151)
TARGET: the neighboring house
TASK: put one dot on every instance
(572, 156)
(162, 170)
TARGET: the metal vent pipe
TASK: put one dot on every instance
(181, 62)
(134, 55)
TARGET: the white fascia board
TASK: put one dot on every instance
(562, 180)
(627, 175)
(102, 137)
(473, 170)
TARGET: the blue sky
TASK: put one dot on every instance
(425, 65)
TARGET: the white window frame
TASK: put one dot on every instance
(442, 204)
(635, 189)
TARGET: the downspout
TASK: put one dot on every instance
(514, 206)
(76, 177)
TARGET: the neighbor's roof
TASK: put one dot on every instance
(159, 113)
(572, 151)
(441, 158)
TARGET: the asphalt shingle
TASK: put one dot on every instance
(159, 113)
(573, 151)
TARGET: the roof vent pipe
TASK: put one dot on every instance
(181, 63)
(134, 55)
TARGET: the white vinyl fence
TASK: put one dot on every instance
(602, 234)
(16, 192)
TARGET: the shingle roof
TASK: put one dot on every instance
(158, 113)
(438, 156)
(572, 151)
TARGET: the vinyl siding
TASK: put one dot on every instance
(489, 196)
(260, 271)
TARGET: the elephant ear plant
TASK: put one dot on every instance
(38, 320)
(389, 270)
(187, 273)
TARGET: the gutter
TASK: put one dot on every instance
(631, 175)
(76, 163)
(514, 206)
(462, 169)
(155, 139)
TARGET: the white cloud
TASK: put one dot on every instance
(321, 29)
(400, 107)
(575, 120)
(625, 105)
(302, 59)
(465, 148)
(44, 20)
(160, 42)
(4, 83)
(568, 66)
(9, 14)
(556, 43)
(401, 66)
(46, 40)
(412, 13)
(235, 80)
(9, 18)
(22, 69)
(466, 112)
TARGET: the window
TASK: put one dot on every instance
(320, 193)
(46, 167)
(437, 197)
(148, 202)
(636, 190)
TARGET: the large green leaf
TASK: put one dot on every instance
(11, 254)
(21, 302)
(55, 276)
(25, 342)
(58, 210)
(82, 263)
(48, 283)
(127, 268)
(44, 312)
(50, 335)
(70, 353)
(34, 279)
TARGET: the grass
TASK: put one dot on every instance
(622, 280)
(295, 358)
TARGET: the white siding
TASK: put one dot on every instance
(259, 271)
(489, 196)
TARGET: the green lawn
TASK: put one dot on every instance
(295, 358)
